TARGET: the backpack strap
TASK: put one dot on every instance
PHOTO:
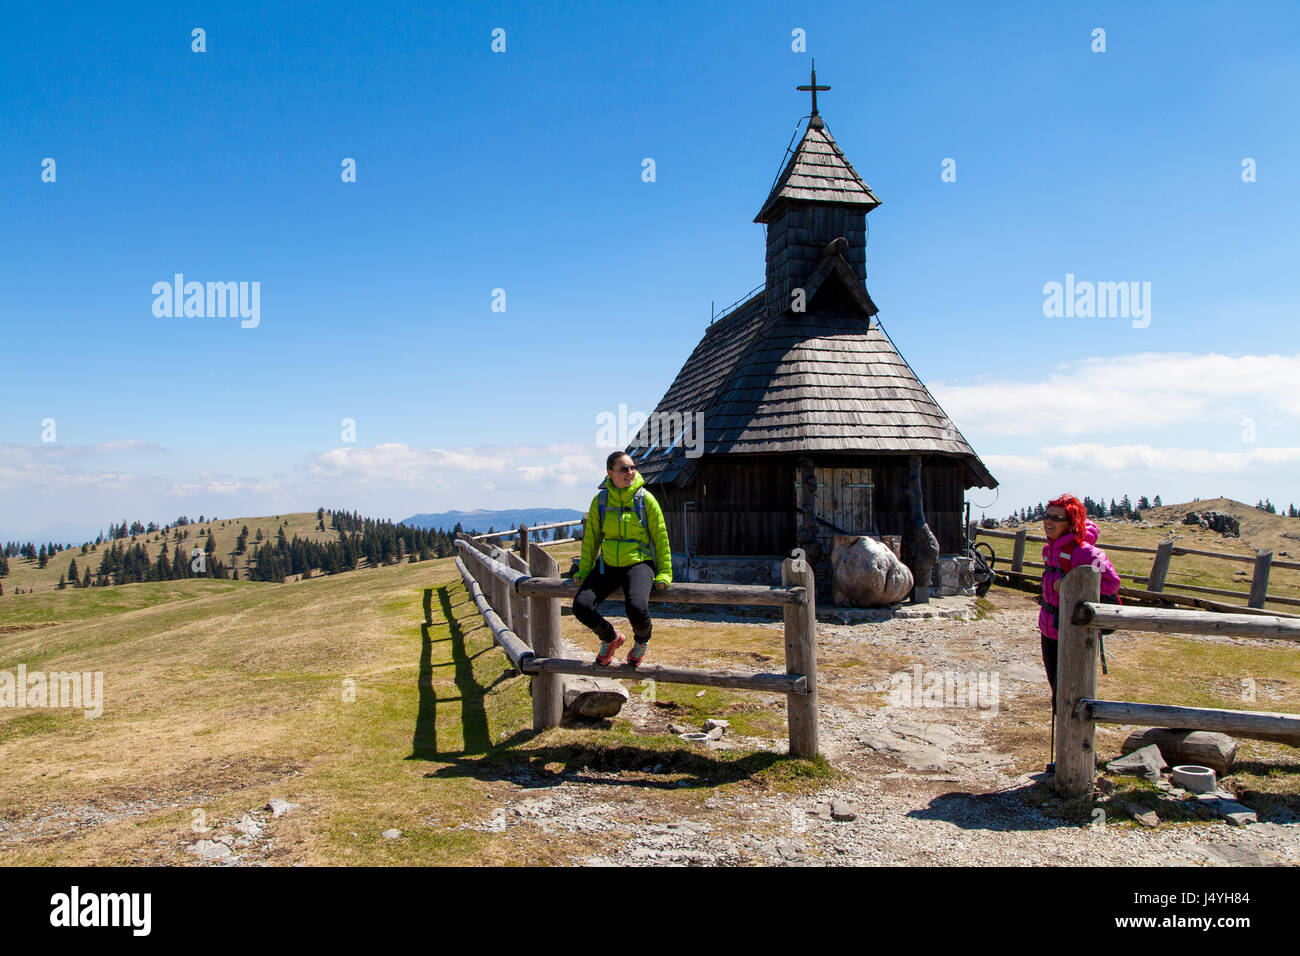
(602, 500)
(638, 502)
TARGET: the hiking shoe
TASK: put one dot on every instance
(607, 649)
(637, 653)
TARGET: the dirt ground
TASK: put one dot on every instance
(925, 785)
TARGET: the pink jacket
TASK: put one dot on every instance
(1063, 552)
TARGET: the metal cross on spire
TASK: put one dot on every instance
(813, 88)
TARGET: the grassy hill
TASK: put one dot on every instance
(1259, 529)
(374, 699)
(25, 574)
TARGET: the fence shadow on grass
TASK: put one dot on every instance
(507, 760)
(535, 767)
(473, 713)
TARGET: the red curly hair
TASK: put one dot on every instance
(1074, 511)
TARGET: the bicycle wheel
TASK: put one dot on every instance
(982, 568)
(986, 552)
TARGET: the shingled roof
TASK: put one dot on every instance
(819, 172)
(828, 380)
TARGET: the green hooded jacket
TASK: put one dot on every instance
(621, 522)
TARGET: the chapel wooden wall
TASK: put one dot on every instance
(745, 505)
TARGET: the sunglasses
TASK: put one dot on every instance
(624, 468)
(1056, 518)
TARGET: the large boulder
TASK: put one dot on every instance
(593, 697)
(866, 573)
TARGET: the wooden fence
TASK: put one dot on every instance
(520, 602)
(1155, 580)
(1077, 709)
(524, 533)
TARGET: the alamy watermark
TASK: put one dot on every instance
(55, 690)
(921, 688)
(1098, 300)
(215, 300)
(664, 431)
(130, 910)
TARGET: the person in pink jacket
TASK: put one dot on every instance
(1071, 543)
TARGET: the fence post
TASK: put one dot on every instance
(544, 622)
(1076, 679)
(518, 603)
(523, 541)
(1160, 566)
(500, 596)
(801, 655)
(1018, 555)
(1259, 581)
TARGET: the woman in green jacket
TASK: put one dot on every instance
(628, 549)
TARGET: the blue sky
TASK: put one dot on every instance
(521, 170)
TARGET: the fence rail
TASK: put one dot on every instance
(522, 610)
(1156, 580)
(1078, 710)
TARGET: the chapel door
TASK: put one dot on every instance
(843, 504)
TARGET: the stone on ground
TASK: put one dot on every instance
(593, 697)
(1200, 747)
(1144, 762)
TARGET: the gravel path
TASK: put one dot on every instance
(923, 786)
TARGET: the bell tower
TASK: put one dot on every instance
(819, 197)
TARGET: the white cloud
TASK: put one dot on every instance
(226, 485)
(1091, 456)
(1133, 392)
(397, 463)
(1097, 458)
(108, 447)
(48, 466)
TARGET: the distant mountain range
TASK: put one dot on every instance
(479, 522)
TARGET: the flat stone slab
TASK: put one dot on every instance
(280, 807)
(917, 756)
(1229, 855)
(938, 735)
(958, 607)
(1238, 814)
(210, 850)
